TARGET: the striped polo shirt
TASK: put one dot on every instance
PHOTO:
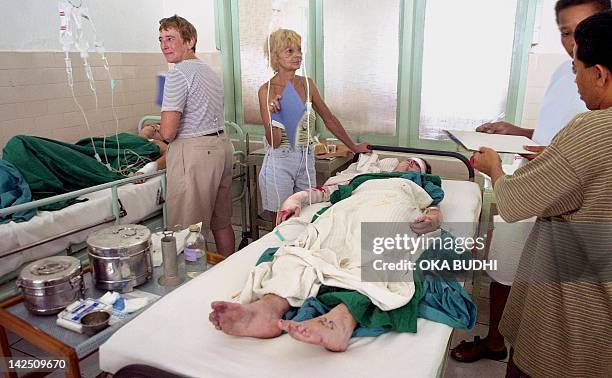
(196, 91)
(558, 316)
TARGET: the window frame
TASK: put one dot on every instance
(412, 22)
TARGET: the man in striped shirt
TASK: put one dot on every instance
(558, 318)
(560, 105)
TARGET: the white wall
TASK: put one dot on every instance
(125, 26)
(201, 14)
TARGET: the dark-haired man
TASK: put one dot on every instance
(558, 317)
(561, 103)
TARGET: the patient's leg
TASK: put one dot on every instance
(257, 319)
(332, 330)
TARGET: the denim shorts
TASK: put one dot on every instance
(285, 171)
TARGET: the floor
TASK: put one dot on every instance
(484, 368)
(20, 348)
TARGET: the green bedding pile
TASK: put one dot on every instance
(52, 167)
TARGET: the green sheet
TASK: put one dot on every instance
(52, 167)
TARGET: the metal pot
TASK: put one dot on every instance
(50, 284)
(120, 257)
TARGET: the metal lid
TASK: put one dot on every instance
(50, 271)
(119, 240)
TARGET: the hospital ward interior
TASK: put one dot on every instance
(297, 188)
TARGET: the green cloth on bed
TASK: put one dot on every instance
(14, 191)
(52, 167)
(367, 315)
(431, 183)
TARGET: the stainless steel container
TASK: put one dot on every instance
(50, 284)
(120, 257)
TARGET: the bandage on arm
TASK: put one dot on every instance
(434, 214)
(148, 168)
(295, 202)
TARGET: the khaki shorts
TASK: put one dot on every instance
(199, 173)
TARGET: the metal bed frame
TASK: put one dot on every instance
(422, 151)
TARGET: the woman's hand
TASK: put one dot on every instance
(274, 105)
(361, 148)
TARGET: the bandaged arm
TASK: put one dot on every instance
(429, 221)
(293, 205)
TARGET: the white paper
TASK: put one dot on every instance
(473, 140)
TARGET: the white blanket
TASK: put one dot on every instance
(329, 252)
(367, 163)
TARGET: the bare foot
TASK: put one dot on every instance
(332, 330)
(257, 319)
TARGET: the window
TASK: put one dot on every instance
(361, 67)
(255, 17)
(466, 64)
(393, 71)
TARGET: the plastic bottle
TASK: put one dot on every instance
(195, 250)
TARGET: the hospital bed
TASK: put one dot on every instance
(174, 334)
(51, 232)
(120, 202)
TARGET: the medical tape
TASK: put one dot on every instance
(279, 235)
(291, 222)
(421, 163)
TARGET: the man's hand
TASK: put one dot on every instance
(429, 221)
(486, 160)
(537, 149)
(502, 128)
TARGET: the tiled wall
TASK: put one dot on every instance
(35, 98)
(541, 68)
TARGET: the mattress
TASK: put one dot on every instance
(139, 201)
(174, 334)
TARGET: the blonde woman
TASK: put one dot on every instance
(286, 169)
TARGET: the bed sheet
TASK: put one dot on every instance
(175, 334)
(139, 201)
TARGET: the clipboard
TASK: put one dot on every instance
(291, 113)
(510, 144)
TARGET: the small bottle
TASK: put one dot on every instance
(195, 250)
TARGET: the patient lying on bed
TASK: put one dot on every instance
(328, 254)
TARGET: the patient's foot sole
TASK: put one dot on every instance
(256, 319)
(332, 330)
